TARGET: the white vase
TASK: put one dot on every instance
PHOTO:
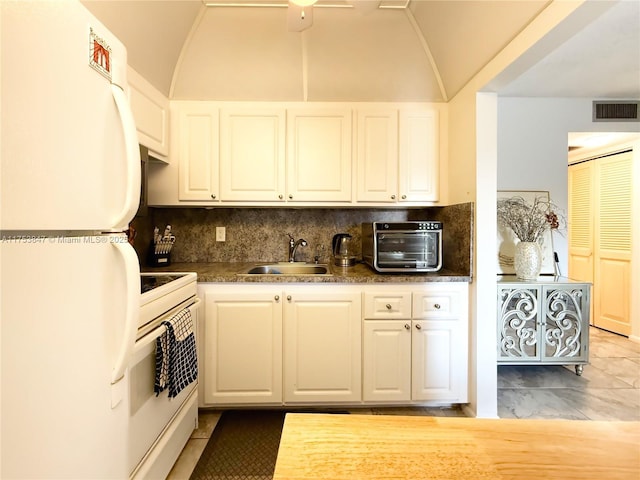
(527, 260)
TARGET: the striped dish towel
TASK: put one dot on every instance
(176, 360)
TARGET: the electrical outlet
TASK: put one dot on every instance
(221, 234)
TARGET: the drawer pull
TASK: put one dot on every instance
(288, 298)
(436, 306)
(277, 298)
(419, 327)
(407, 326)
(388, 306)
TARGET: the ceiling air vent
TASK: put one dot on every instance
(615, 111)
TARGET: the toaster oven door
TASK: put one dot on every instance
(409, 251)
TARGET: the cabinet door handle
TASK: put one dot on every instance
(436, 306)
(277, 298)
(393, 197)
(407, 326)
(404, 197)
(290, 197)
(213, 196)
(388, 305)
(280, 196)
(419, 327)
(288, 298)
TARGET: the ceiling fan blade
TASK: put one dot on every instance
(299, 18)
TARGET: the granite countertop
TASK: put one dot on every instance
(227, 272)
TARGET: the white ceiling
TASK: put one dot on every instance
(426, 52)
(601, 61)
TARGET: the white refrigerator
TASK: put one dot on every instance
(70, 282)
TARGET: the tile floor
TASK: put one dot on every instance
(609, 389)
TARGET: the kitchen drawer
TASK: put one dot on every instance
(386, 305)
(437, 305)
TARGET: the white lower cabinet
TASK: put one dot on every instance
(386, 361)
(322, 344)
(437, 370)
(249, 329)
(242, 346)
(440, 343)
(418, 353)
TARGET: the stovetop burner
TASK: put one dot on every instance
(162, 291)
(149, 282)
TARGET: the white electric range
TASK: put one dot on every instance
(159, 426)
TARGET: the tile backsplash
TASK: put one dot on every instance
(260, 234)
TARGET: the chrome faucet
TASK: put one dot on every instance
(293, 246)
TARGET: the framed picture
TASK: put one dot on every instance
(507, 240)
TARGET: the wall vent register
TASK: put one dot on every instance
(607, 111)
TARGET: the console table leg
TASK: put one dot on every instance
(579, 369)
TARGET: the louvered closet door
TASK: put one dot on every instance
(581, 222)
(612, 259)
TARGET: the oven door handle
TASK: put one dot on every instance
(156, 332)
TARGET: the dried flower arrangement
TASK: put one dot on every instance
(529, 221)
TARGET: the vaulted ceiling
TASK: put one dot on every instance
(419, 50)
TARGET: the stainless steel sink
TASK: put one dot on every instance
(288, 269)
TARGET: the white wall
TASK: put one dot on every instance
(472, 161)
(474, 119)
(532, 147)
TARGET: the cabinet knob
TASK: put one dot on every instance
(277, 298)
(404, 197)
(288, 298)
(393, 197)
(419, 327)
(280, 196)
(213, 196)
(388, 305)
(407, 326)
(436, 306)
(290, 197)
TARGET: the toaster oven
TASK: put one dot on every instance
(402, 246)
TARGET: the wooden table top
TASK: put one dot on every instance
(372, 447)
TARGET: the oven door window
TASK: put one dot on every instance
(403, 249)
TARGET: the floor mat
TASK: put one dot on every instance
(243, 444)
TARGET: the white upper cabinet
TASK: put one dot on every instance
(275, 153)
(197, 125)
(252, 154)
(151, 113)
(419, 155)
(398, 155)
(377, 155)
(319, 155)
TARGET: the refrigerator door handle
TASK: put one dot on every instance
(132, 199)
(132, 279)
